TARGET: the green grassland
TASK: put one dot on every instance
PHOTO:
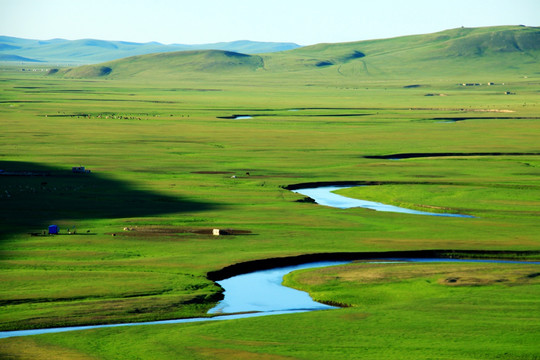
(405, 311)
(162, 155)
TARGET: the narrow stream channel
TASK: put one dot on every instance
(324, 196)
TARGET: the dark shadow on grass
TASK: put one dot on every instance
(271, 263)
(32, 196)
(457, 154)
(239, 116)
(455, 119)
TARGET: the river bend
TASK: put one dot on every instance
(324, 196)
(254, 294)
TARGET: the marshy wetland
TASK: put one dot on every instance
(169, 163)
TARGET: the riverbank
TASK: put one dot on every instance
(261, 293)
(264, 264)
(388, 305)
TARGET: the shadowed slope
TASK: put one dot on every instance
(34, 195)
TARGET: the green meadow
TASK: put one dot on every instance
(169, 163)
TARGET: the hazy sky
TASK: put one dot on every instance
(205, 21)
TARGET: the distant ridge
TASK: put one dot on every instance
(93, 51)
(464, 52)
(170, 64)
(16, 58)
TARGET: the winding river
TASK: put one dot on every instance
(247, 295)
(260, 293)
(324, 196)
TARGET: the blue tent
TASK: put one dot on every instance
(53, 229)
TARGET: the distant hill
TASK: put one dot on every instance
(91, 51)
(164, 64)
(458, 51)
(464, 51)
(16, 58)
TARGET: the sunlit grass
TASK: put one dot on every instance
(162, 159)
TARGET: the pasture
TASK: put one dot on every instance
(163, 158)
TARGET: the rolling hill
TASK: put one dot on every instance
(91, 51)
(456, 51)
(466, 51)
(162, 65)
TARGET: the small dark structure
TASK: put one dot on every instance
(53, 229)
(80, 170)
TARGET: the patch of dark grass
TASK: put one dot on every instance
(356, 55)
(324, 63)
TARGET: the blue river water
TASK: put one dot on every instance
(248, 295)
(324, 196)
(259, 293)
(262, 291)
